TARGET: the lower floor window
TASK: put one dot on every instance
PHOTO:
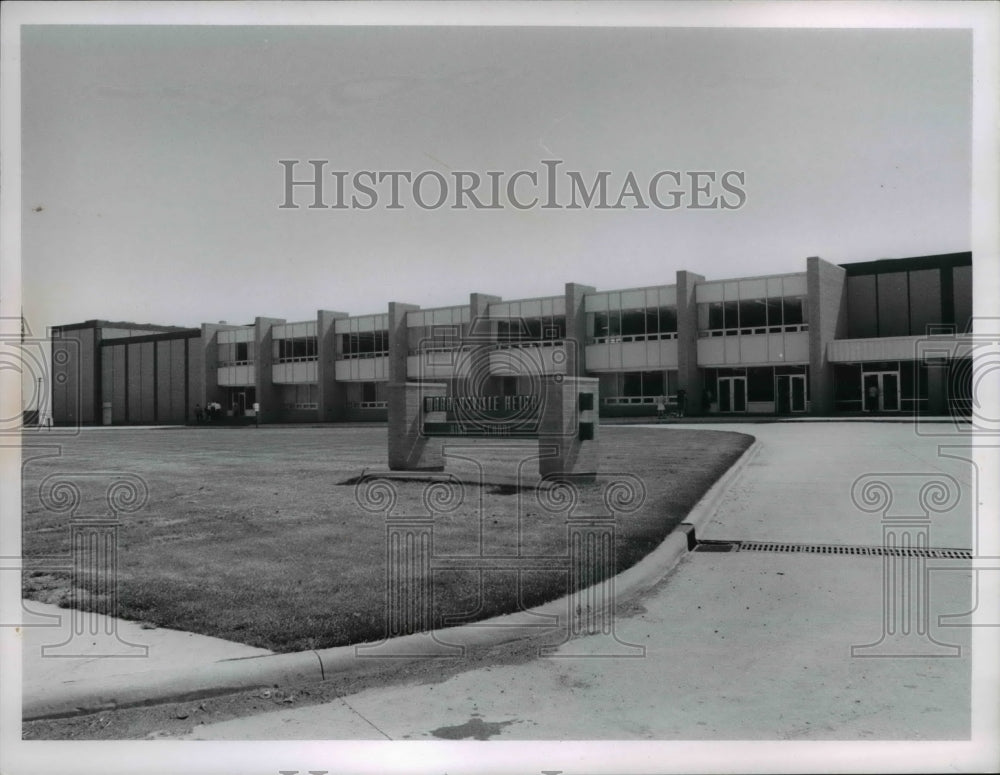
(764, 389)
(239, 400)
(366, 395)
(639, 387)
(303, 396)
(880, 386)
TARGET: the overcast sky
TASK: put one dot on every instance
(151, 182)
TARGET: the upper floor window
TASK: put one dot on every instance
(298, 349)
(364, 344)
(752, 316)
(237, 353)
(632, 325)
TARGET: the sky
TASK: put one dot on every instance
(151, 181)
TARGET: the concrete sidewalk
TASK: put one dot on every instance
(737, 645)
(51, 669)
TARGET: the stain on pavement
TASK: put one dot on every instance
(474, 728)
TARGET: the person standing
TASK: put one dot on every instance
(872, 397)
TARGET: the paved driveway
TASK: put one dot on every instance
(738, 645)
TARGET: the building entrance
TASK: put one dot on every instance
(238, 401)
(790, 391)
(732, 394)
(880, 391)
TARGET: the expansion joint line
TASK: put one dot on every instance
(363, 718)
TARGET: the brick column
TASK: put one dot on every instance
(827, 318)
(263, 360)
(409, 448)
(576, 329)
(399, 344)
(329, 395)
(689, 376)
(208, 388)
(481, 336)
(568, 432)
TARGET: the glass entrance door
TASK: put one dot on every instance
(798, 392)
(239, 401)
(890, 391)
(881, 391)
(790, 392)
(732, 394)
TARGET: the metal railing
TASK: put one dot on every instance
(754, 330)
(617, 339)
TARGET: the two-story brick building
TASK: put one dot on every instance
(823, 340)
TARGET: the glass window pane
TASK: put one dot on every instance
(753, 312)
(962, 284)
(653, 384)
(731, 314)
(760, 384)
(893, 305)
(668, 320)
(773, 308)
(792, 312)
(652, 320)
(614, 323)
(633, 323)
(632, 383)
(925, 300)
(715, 316)
(861, 319)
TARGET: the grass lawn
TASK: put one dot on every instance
(251, 535)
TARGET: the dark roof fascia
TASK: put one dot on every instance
(884, 265)
(119, 324)
(187, 333)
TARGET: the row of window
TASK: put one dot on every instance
(631, 387)
(297, 349)
(752, 316)
(761, 382)
(364, 344)
(366, 395)
(899, 385)
(237, 353)
(651, 323)
(300, 396)
(632, 325)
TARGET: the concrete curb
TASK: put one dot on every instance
(162, 686)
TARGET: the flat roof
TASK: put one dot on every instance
(908, 264)
(121, 324)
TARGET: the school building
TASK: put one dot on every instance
(884, 336)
